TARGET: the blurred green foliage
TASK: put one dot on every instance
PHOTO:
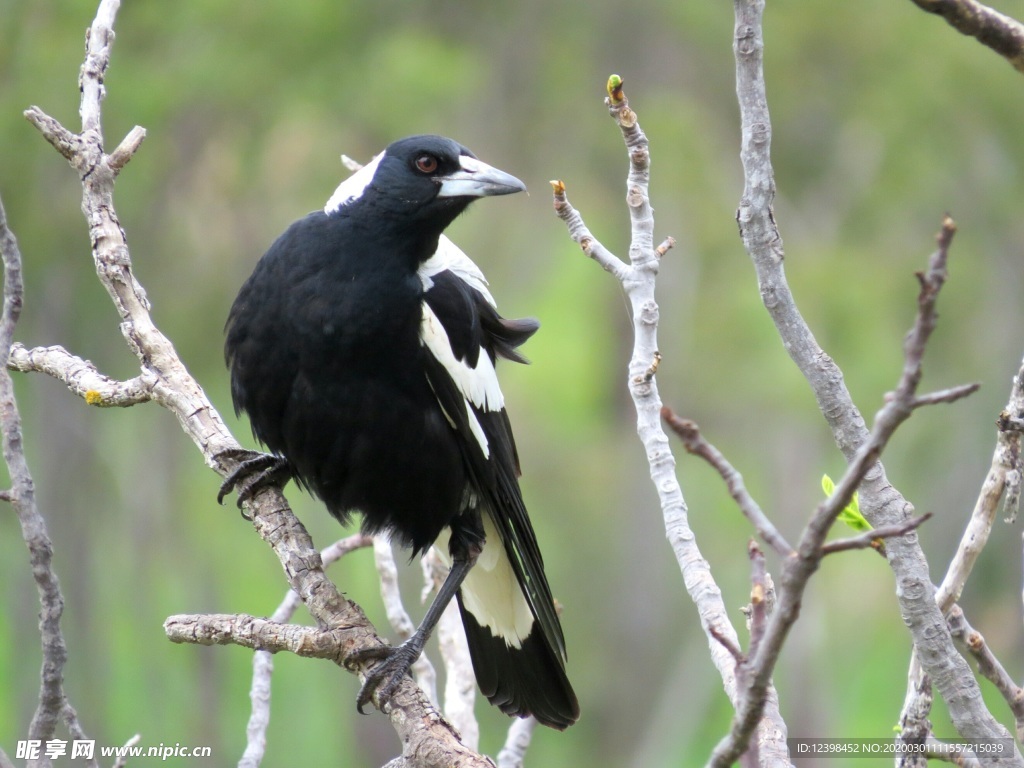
(884, 119)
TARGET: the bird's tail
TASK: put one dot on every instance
(519, 665)
(525, 680)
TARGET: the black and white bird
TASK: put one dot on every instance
(363, 349)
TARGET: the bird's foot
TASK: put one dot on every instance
(254, 472)
(393, 664)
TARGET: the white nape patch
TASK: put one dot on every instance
(449, 256)
(490, 590)
(352, 187)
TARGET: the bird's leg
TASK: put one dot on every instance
(253, 472)
(394, 662)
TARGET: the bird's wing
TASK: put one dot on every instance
(463, 334)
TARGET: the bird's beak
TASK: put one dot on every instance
(478, 179)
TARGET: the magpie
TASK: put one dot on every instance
(363, 349)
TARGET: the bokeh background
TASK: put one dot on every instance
(884, 119)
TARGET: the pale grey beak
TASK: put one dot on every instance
(478, 179)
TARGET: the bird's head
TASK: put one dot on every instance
(424, 179)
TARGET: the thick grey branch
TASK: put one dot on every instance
(882, 504)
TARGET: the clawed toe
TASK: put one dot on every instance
(384, 678)
(253, 472)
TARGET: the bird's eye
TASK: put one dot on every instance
(426, 163)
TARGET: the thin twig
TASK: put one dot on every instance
(758, 596)
(950, 395)
(728, 643)
(122, 760)
(870, 539)
(695, 443)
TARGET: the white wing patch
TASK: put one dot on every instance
(478, 385)
(490, 591)
(449, 256)
(352, 187)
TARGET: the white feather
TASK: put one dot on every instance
(479, 385)
(352, 187)
(490, 591)
(449, 256)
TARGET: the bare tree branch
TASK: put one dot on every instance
(256, 633)
(426, 739)
(989, 665)
(638, 281)
(263, 664)
(1001, 33)
(1004, 468)
(513, 753)
(914, 725)
(811, 548)
(882, 504)
(950, 395)
(81, 376)
(870, 539)
(53, 703)
(122, 760)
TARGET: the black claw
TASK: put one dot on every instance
(383, 679)
(253, 472)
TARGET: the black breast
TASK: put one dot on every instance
(324, 353)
